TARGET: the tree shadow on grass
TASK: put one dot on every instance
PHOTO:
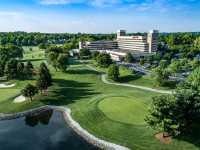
(129, 78)
(25, 60)
(65, 92)
(82, 72)
(192, 136)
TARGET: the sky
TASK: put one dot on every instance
(99, 16)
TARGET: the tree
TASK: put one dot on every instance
(177, 113)
(11, 69)
(160, 114)
(175, 66)
(56, 49)
(129, 58)
(194, 79)
(62, 62)
(197, 43)
(142, 61)
(195, 63)
(42, 46)
(113, 72)
(29, 91)
(161, 75)
(30, 65)
(44, 80)
(2, 67)
(104, 60)
(52, 59)
(163, 64)
(95, 55)
(85, 53)
(28, 70)
(10, 51)
(20, 70)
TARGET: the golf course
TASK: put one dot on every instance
(115, 113)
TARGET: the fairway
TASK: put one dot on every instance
(113, 113)
(124, 109)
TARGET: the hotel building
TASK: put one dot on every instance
(140, 45)
(146, 43)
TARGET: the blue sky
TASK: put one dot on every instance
(99, 16)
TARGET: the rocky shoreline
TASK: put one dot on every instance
(72, 123)
(23, 114)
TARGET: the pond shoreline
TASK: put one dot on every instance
(71, 122)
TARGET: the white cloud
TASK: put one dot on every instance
(96, 3)
(9, 13)
(59, 2)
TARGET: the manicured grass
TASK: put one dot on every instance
(36, 56)
(94, 104)
(7, 95)
(128, 76)
(116, 108)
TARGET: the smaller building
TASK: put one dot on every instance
(115, 55)
(99, 45)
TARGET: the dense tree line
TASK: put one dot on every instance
(15, 69)
(32, 39)
(9, 64)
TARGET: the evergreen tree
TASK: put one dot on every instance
(11, 69)
(2, 67)
(20, 70)
(113, 72)
(44, 80)
(28, 70)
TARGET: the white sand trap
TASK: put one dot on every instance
(20, 99)
(3, 85)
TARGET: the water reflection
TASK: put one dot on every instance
(43, 118)
(43, 131)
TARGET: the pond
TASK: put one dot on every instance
(43, 131)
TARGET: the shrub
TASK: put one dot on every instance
(113, 72)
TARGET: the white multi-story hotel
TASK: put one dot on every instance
(146, 43)
(140, 45)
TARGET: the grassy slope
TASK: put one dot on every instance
(87, 112)
(82, 90)
(126, 76)
(134, 110)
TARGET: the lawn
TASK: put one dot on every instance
(113, 113)
(134, 110)
(34, 54)
(128, 76)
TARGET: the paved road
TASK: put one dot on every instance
(103, 78)
(143, 70)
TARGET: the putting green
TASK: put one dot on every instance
(124, 109)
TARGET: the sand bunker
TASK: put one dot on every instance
(20, 99)
(4, 85)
